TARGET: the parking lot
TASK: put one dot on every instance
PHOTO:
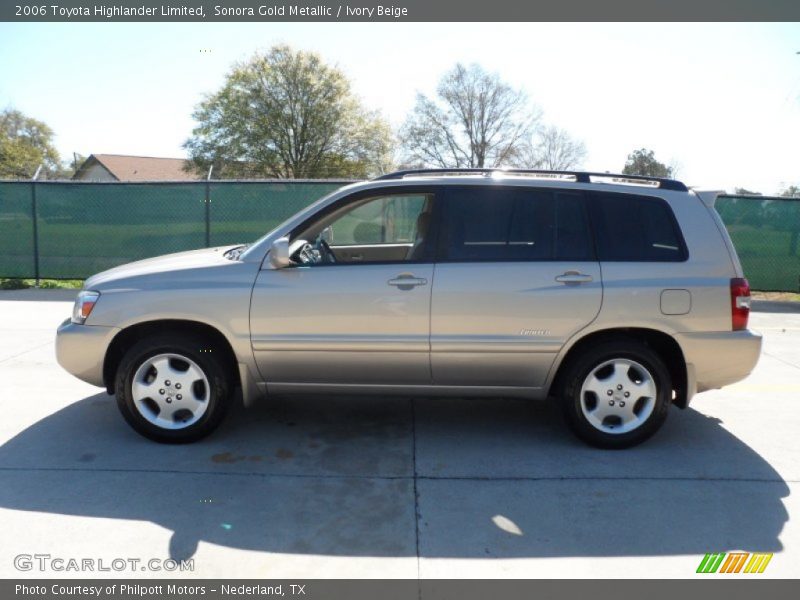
(390, 487)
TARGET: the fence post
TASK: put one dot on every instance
(208, 206)
(35, 217)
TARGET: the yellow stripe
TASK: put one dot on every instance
(767, 558)
(758, 563)
(749, 567)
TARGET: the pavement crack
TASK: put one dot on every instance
(779, 359)
(414, 478)
(8, 358)
(416, 492)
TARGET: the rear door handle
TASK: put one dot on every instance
(573, 277)
(406, 281)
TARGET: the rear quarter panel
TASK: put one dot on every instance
(632, 290)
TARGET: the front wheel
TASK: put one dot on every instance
(616, 394)
(172, 388)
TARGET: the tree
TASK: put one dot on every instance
(553, 149)
(475, 121)
(792, 191)
(643, 162)
(740, 191)
(26, 143)
(71, 166)
(286, 114)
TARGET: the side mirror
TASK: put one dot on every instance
(279, 254)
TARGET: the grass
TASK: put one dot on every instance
(52, 284)
(777, 296)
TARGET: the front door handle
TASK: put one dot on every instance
(406, 281)
(574, 277)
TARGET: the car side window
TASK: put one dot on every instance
(383, 220)
(635, 228)
(385, 228)
(514, 224)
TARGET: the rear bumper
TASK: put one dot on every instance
(716, 359)
(81, 350)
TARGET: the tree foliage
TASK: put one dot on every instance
(475, 120)
(792, 191)
(740, 191)
(286, 114)
(553, 149)
(26, 143)
(643, 162)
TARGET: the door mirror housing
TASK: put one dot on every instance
(279, 254)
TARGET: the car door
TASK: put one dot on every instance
(516, 276)
(362, 320)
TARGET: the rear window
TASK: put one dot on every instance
(636, 229)
(514, 224)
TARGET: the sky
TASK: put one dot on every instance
(720, 101)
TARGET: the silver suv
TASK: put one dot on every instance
(616, 295)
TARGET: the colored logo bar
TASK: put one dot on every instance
(734, 562)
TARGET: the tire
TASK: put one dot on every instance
(594, 387)
(173, 388)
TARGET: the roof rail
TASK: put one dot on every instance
(578, 176)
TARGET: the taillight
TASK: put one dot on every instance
(740, 303)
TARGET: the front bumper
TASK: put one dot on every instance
(81, 349)
(716, 359)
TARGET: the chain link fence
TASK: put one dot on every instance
(766, 233)
(70, 230)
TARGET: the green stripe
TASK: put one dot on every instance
(711, 562)
(703, 562)
(713, 568)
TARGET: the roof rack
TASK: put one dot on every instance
(577, 176)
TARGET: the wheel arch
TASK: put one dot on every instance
(133, 333)
(662, 343)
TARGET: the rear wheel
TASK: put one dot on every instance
(173, 388)
(616, 394)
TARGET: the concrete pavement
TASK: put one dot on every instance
(390, 487)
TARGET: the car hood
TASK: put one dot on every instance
(168, 263)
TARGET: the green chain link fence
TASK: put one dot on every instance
(82, 228)
(766, 234)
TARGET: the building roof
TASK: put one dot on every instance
(140, 168)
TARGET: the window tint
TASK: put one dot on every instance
(386, 220)
(573, 240)
(512, 224)
(635, 228)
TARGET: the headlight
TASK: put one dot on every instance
(84, 304)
